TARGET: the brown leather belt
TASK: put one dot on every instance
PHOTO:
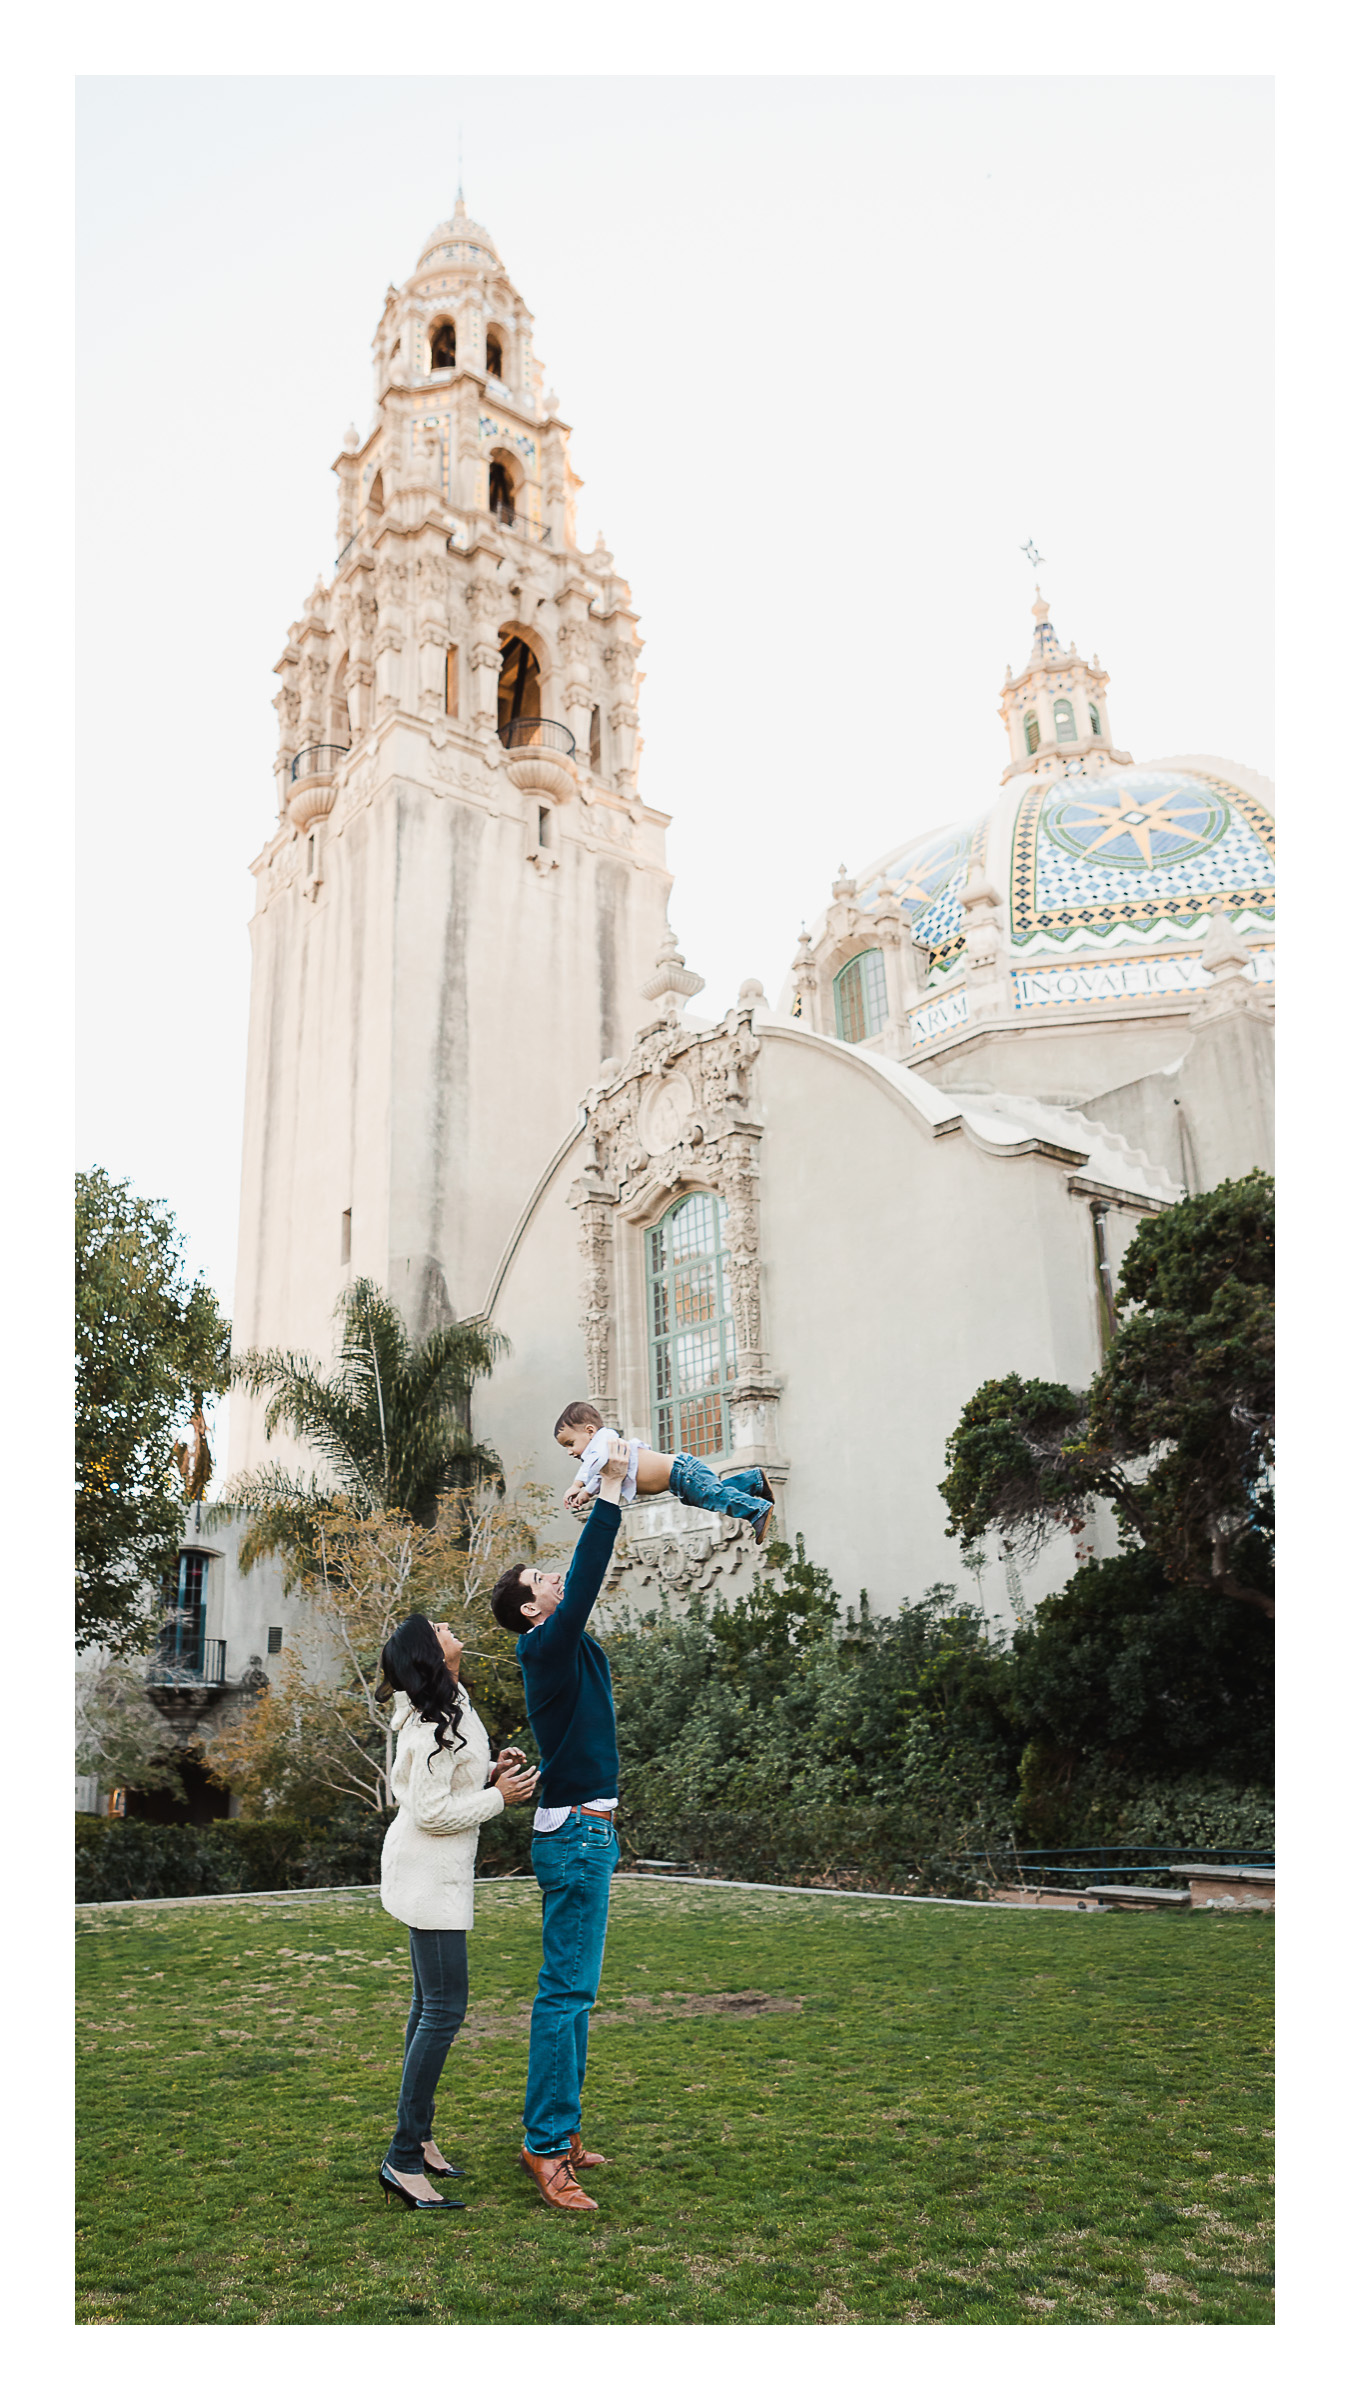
(606, 1815)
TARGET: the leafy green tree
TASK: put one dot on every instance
(150, 1346)
(390, 1424)
(1126, 1678)
(1177, 1430)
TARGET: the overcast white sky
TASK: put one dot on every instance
(832, 350)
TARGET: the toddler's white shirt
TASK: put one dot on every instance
(596, 1455)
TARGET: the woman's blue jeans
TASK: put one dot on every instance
(693, 1481)
(572, 1868)
(440, 1965)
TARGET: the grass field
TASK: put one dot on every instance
(943, 2116)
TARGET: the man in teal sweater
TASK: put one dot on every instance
(576, 1849)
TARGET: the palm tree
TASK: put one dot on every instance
(391, 1425)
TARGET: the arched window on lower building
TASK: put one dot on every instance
(1065, 728)
(494, 352)
(860, 997)
(182, 1634)
(1031, 727)
(691, 1337)
(442, 347)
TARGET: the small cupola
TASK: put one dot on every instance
(1055, 710)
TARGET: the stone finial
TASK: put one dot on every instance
(673, 983)
(803, 956)
(843, 886)
(751, 993)
(351, 440)
(1040, 608)
(601, 558)
(1225, 954)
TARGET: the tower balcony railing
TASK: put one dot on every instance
(517, 524)
(321, 758)
(536, 733)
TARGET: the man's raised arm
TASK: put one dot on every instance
(591, 1557)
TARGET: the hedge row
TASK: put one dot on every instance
(128, 1858)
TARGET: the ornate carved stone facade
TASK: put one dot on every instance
(679, 1116)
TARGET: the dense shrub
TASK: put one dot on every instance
(775, 1740)
(127, 1858)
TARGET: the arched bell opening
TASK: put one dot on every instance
(494, 352)
(519, 683)
(442, 346)
(503, 486)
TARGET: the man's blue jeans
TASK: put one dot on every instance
(693, 1481)
(572, 1868)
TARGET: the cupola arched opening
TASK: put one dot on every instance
(860, 997)
(494, 351)
(1065, 728)
(503, 480)
(375, 499)
(442, 345)
(519, 689)
(1094, 719)
(1031, 727)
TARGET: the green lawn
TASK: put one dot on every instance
(952, 2116)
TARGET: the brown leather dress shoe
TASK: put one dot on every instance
(579, 2157)
(557, 2184)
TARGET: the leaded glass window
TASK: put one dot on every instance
(692, 1337)
(860, 997)
(1065, 728)
(1031, 727)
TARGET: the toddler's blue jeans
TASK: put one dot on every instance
(693, 1481)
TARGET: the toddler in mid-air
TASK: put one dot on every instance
(748, 1496)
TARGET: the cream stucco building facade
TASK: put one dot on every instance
(801, 1235)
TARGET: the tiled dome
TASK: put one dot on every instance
(1134, 858)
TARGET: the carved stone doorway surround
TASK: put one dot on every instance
(679, 1116)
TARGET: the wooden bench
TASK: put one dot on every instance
(1136, 1895)
(1228, 1887)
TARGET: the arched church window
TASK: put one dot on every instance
(691, 1336)
(494, 352)
(442, 347)
(377, 494)
(518, 687)
(860, 997)
(1093, 719)
(1031, 727)
(339, 718)
(452, 681)
(1065, 728)
(501, 496)
(597, 758)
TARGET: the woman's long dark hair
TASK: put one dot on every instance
(413, 1661)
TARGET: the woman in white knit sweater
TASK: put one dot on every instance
(446, 1788)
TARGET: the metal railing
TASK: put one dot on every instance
(522, 525)
(321, 758)
(1133, 1859)
(184, 1669)
(536, 733)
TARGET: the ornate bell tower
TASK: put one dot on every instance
(463, 891)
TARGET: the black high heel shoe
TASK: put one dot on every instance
(393, 2189)
(457, 2172)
